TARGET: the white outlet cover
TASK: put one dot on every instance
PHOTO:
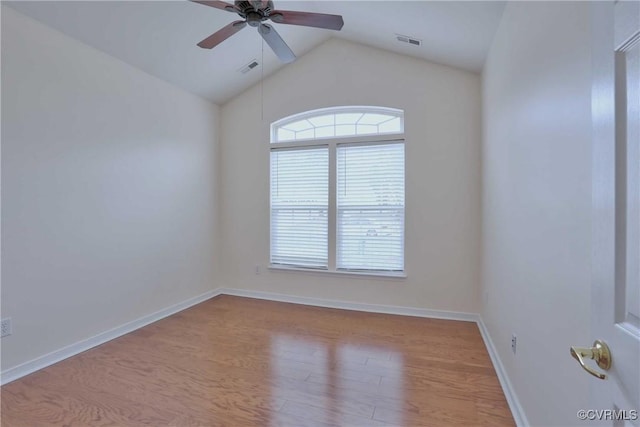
(6, 327)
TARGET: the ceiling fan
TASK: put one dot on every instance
(255, 12)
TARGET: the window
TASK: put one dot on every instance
(370, 207)
(337, 190)
(299, 207)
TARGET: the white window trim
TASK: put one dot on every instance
(350, 140)
(352, 273)
(332, 144)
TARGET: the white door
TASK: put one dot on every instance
(616, 211)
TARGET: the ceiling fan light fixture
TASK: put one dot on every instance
(254, 19)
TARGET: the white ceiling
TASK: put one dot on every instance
(160, 37)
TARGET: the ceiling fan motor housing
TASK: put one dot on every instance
(247, 7)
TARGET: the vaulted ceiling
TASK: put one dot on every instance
(159, 37)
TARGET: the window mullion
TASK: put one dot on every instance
(332, 220)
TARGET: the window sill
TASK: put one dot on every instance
(377, 274)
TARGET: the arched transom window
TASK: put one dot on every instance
(338, 122)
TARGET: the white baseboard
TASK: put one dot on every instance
(26, 368)
(356, 306)
(507, 388)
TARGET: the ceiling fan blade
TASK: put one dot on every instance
(222, 34)
(276, 43)
(218, 5)
(308, 19)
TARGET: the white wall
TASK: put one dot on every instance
(443, 136)
(108, 191)
(537, 203)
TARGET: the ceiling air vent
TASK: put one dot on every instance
(407, 39)
(250, 66)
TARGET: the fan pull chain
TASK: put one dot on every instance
(262, 84)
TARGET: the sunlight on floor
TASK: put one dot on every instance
(336, 384)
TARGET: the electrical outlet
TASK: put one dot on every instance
(6, 327)
(514, 343)
(258, 270)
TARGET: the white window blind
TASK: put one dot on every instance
(370, 207)
(299, 207)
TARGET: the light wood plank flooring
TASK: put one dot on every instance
(234, 361)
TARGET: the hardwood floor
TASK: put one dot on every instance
(234, 361)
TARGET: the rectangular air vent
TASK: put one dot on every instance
(407, 39)
(250, 66)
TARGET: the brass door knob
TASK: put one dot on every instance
(599, 352)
